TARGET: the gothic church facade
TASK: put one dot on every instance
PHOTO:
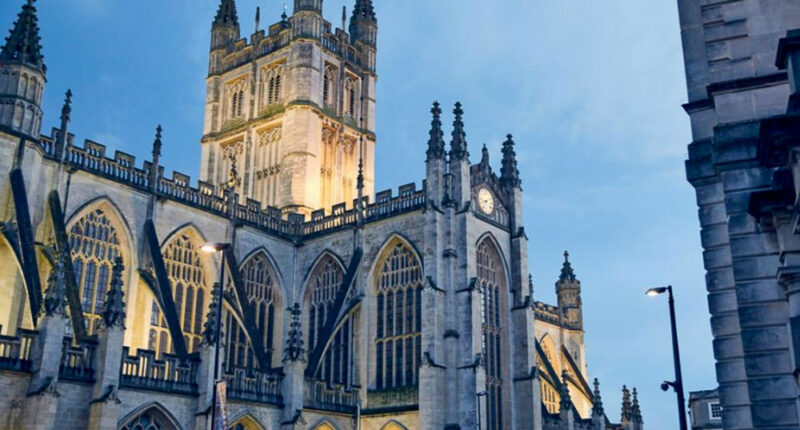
(339, 307)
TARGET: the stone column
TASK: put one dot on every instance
(526, 384)
(40, 408)
(103, 412)
(294, 364)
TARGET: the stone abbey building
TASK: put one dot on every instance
(341, 307)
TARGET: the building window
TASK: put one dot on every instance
(328, 84)
(336, 364)
(237, 103)
(258, 280)
(492, 289)
(94, 244)
(351, 94)
(715, 410)
(398, 335)
(185, 271)
(271, 85)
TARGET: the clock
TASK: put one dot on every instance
(486, 201)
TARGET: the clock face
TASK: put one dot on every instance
(486, 201)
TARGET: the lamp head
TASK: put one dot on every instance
(652, 292)
(211, 248)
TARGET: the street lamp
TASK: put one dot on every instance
(677, 385)
(213, 248)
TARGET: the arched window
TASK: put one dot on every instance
(94, 244)
(350, 92)
(325, 283)
(152, 418)
(328, 84)
(240, 103)
(491, 284)
(399, 320)
(185, 271)
(262, 293)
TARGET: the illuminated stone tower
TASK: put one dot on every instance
(293, 106)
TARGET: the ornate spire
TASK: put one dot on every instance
(210, 333)
(23, 42)
(226, 14)
(458, 144)
(530, 286)
(626, 404)
(566, 400)
(436, 141)
(567, 274)
(597, 401)
(157, 145)
(364, 11)
(114, 308)
(484, 155)
(636, 413)
(55, 299)
(509, 175)
(66, 109)
(294, 350)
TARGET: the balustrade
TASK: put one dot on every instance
(253, 385)
(77, 361)
(334, 398)
(169, 373)
(15, 351)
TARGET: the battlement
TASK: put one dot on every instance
(122, 169)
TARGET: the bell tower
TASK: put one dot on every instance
(292, 107)
(22, 75)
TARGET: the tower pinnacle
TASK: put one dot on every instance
(567, 274)
(226, 15)
(23, 42)
(509, 175)
(458, 144)
(436, 141)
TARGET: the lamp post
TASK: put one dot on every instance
(677, 385)
(478, 396)
(213, 248)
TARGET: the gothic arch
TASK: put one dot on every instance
(551, 353)
(396, 293)
(325, 253)
(393, 239)
(275, 267)
(394, 425)
(489, 237)
(160, 418)
(324, 424)
(13, 289)
(245, 421)
(98, 234)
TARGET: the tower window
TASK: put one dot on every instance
(351, 92)
(328, 83)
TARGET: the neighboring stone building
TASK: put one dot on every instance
(705, 410)
(412, 310)
(741, 69)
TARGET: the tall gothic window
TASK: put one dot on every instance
(94, 244)
(153, 418)
(262, 293)
(399, 320)
(272, 80)
(328, 84)
(351, 94)
(336, 364)
(491, 285)
(189, 289)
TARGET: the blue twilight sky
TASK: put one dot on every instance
(592, 91)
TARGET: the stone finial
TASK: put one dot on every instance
(484, 155)
(509, 174)
(284, 15)
(23, 44)
(636, 412)
(567, 273)
(157, 146)
(294, 350)
(211, 327)
(597, 401)
(258, 18)
(344, 18)
(226, 14)
(458, 144)
(436, 141)
(563, 394)
(55, 298)
(626, 405)
(66, 109)
(530, 286)
(114, 307)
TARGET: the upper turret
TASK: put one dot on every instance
(308, 5)
(22, 62)
(568, 290)
(225, 29)
(509, 174)
(364, 23)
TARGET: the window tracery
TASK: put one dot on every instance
(491, 284)
(268, 166)
(329, 85)
(399, 319)
(272, 85)
(187, 276)
(94, 244)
